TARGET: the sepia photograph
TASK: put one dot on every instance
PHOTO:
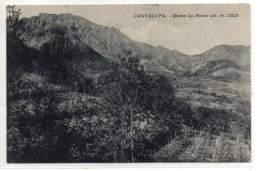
(129, 83)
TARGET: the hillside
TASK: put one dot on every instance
(80, 92)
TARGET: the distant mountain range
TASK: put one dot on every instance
(92, 48)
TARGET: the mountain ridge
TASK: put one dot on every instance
(113, 44)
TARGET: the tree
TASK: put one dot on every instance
(12, 17)
(132, 95)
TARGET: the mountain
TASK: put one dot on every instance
(237, 54)
(223, 61)
(107, 41)
(102, 45)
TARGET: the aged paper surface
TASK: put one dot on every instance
(128, 83)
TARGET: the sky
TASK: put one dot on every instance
(189, 35)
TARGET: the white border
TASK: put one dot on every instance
(255, 87)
